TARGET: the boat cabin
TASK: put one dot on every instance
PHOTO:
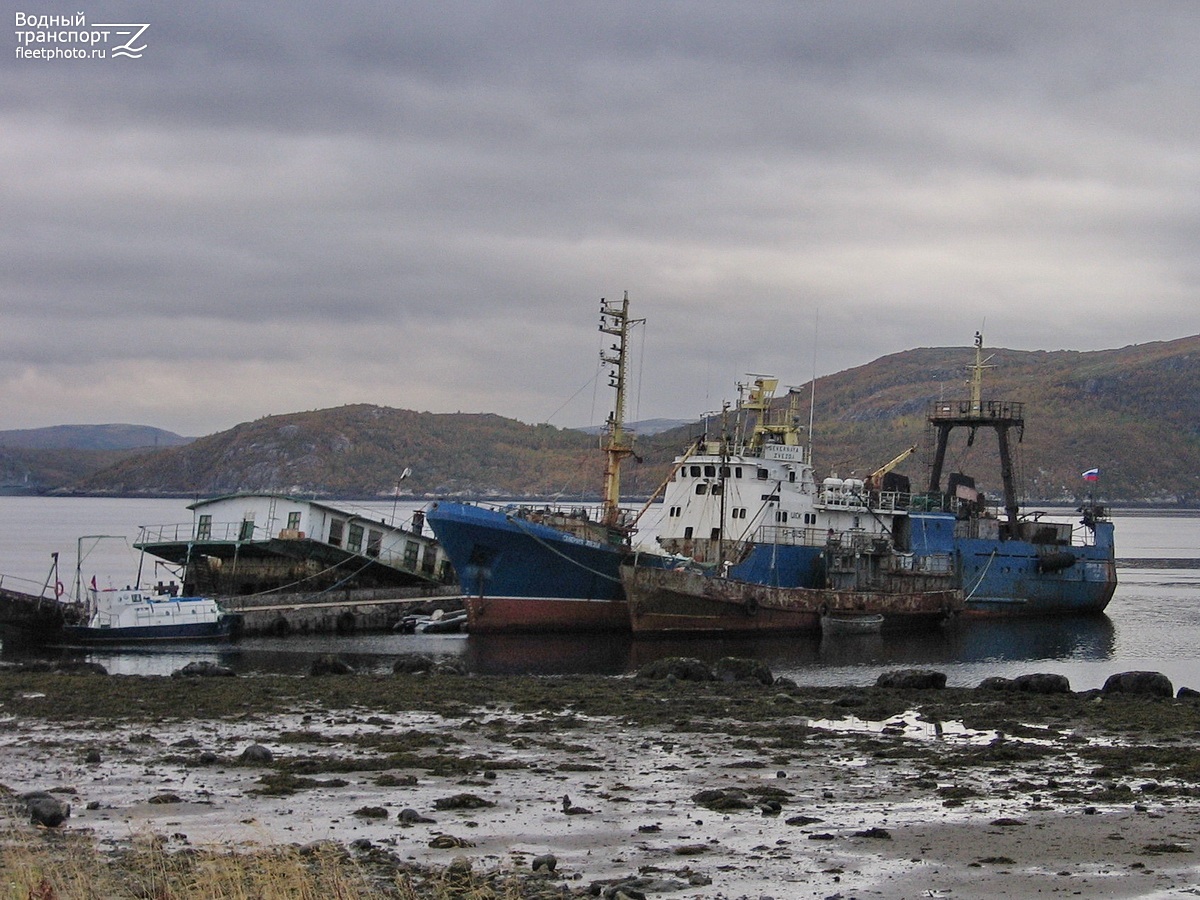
(248, 543)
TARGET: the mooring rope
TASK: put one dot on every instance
(982, 574)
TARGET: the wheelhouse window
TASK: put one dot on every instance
(354, 540)
(293, 521)
(336, 530)
(204, 528)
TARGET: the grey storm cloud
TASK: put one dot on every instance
(290, 206)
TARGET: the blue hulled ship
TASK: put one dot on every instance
(1010, 563)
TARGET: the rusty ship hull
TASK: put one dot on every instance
(685, 601)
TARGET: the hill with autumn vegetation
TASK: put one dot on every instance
(362, 451)
(1134, 413)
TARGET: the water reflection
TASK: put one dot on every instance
(801, 657)
(1075, 637)
(550, 654)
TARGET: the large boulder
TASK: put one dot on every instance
(1155, 684)
(257, 755)
(1036, 683)
(46, 809)
(1043, 683)
(912, 679)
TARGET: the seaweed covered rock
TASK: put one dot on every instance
(1043, 683)
(413, 664)
(912, 679)
(723, 799)
(1156, 684)
(328, 664)
(677, 668)
(1035, 683)
(446, 666)
(996, 683)
(203, 669)
(736, 668)
(462, 801)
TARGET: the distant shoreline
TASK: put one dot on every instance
(1113, 505)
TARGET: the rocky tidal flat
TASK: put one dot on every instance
(684, 781)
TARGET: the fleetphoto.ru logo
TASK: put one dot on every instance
(71, 37)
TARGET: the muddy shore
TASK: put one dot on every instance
(673, 788)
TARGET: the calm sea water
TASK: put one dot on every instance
(1152, 623)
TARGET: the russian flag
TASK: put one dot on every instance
(1091, 475)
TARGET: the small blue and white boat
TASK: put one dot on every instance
(138, 615)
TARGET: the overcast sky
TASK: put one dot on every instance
(291, 206)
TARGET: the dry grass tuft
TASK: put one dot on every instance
(46, 865)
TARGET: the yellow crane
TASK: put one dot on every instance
(874, 481)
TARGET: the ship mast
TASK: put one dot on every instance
(618, 443)
(973, 415)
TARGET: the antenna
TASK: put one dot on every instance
(812, 399)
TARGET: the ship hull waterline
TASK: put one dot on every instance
(545, 615)
(206, 631)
